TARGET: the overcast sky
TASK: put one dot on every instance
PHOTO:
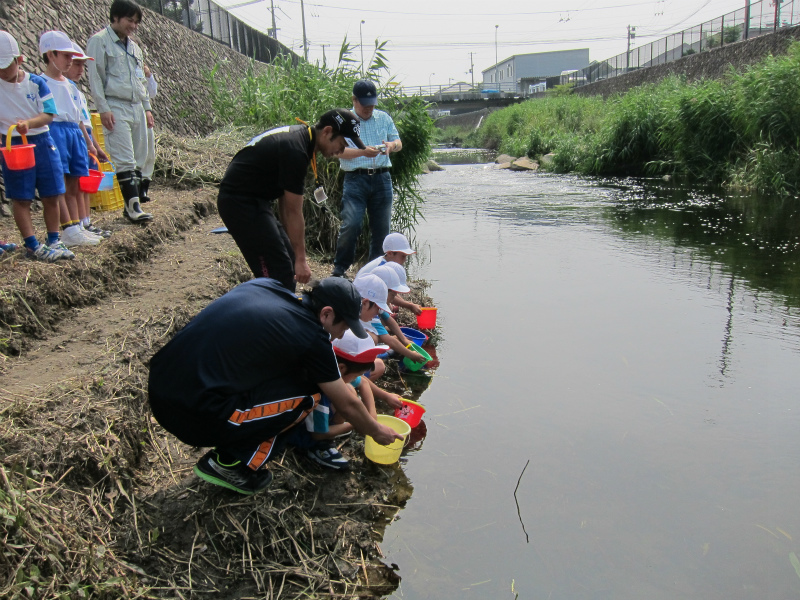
(431, 41)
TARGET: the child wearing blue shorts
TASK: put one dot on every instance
(75, 74)
(68, 133)
(27, 104)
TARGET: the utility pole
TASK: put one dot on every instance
(746, 20)
(472, 68)
(496, 81)
(361, 45)
(631, 36)
(305, 41)
(274, 31)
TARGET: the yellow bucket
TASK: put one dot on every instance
(386, 455)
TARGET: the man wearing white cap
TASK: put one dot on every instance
(119, 90)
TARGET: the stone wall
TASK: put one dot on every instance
(713, 64)
(179, 57)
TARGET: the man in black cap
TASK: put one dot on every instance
(272, 166)
(367, 180)
(249, 367)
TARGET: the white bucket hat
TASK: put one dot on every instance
(401, 275)
(57, 41)
(360, 351)
(9, 49)
(374, 289)
(397, 242)
(389, 277)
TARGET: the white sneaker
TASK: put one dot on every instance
(90, 235)
(71, 236)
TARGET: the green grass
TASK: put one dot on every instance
(742, 132)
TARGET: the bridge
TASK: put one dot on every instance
(460, 98)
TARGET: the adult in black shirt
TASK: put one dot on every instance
(272, 166)
(249, 367)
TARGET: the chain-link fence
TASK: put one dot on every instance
(214, 21)
(759, 18)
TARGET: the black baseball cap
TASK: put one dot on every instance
(342, 296)
(344, 123)
(366, 92)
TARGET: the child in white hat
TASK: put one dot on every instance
(356, 358)
(396, 250)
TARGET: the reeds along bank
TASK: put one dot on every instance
(742, 132)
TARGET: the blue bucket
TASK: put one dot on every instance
(108, 180)
(415, 336)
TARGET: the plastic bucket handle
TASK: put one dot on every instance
(18, 157)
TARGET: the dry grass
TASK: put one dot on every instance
(97, 501)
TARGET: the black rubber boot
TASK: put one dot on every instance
(144, 188)
(129, 186)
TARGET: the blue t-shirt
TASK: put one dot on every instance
(257, 343)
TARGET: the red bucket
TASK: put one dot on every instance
(411, 412)
(427, 320)
(18, 157)
(91, 183)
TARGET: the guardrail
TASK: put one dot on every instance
(463, 91)
(759, 18)
(215, 22)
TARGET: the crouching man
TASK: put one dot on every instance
(249, 367)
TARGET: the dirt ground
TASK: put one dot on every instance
(96, 500)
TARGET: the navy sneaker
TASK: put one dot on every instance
(234, 476)
(329, 457)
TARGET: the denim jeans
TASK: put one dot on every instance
(363, 193)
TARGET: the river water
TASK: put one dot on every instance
(627, 358)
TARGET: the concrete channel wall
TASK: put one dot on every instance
(180, 58)
(713, 64)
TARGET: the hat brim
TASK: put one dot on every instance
(354, 142)
(365, 357)
(357, 328)
(401, 289)
(384, 306)
(81, 57)
(368, 101)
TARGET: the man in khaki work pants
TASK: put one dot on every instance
(119, 90)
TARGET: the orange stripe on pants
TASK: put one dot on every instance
(270, 409)
(262, 454)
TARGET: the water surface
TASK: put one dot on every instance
(639, 349)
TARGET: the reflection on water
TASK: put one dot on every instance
(640, 346)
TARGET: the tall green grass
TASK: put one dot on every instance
(742, 132)
(288, 90)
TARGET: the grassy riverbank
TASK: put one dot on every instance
(741, 133)
(96, 499)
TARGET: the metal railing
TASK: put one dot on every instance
(215, 22)
(759, 18)
(463, 91)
